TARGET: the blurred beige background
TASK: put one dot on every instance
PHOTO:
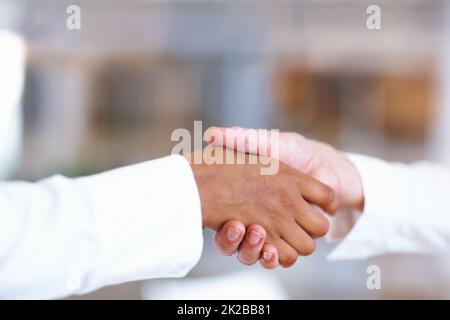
(111, 93)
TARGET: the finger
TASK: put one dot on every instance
(269, 257)
(312, 219)
(287, 255)
(216, 136)
(229, 237)
(316, 192)
(254, 141)
(251, 247)
(298, 239)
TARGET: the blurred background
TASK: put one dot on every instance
(111, 93)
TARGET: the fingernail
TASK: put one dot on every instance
(233, 234)
(208, 136)
(267, 256)
(254, 237)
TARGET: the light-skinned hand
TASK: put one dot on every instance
(275, 208)
(313, 158)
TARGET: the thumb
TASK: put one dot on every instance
(241, 139)
(215, 136)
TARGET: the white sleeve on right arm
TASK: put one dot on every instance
(406, 210)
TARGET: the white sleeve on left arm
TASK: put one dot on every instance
(69, 236)
(406, 210)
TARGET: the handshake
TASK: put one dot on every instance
(272, 218)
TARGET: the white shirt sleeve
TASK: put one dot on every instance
(406, 210)
(65, 236)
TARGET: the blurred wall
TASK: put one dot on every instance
(111, 93)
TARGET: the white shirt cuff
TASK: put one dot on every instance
(370, 233)
(148, 220)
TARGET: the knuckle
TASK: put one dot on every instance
(268, 265)
(308, 248)
(274, 218)
(323, 226)
(298, 141)
(245, 260)
(288, 259)
(258, 229)
(222, 248)
(330, 199)
(224, 251)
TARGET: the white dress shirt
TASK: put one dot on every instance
(12, 65)
(407, 210)
(70, 236)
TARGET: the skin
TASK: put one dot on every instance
(273, 209)
(310, 157)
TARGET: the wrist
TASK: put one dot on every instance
(201, 174)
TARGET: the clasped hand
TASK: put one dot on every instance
(313, 159)
(280, 211)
